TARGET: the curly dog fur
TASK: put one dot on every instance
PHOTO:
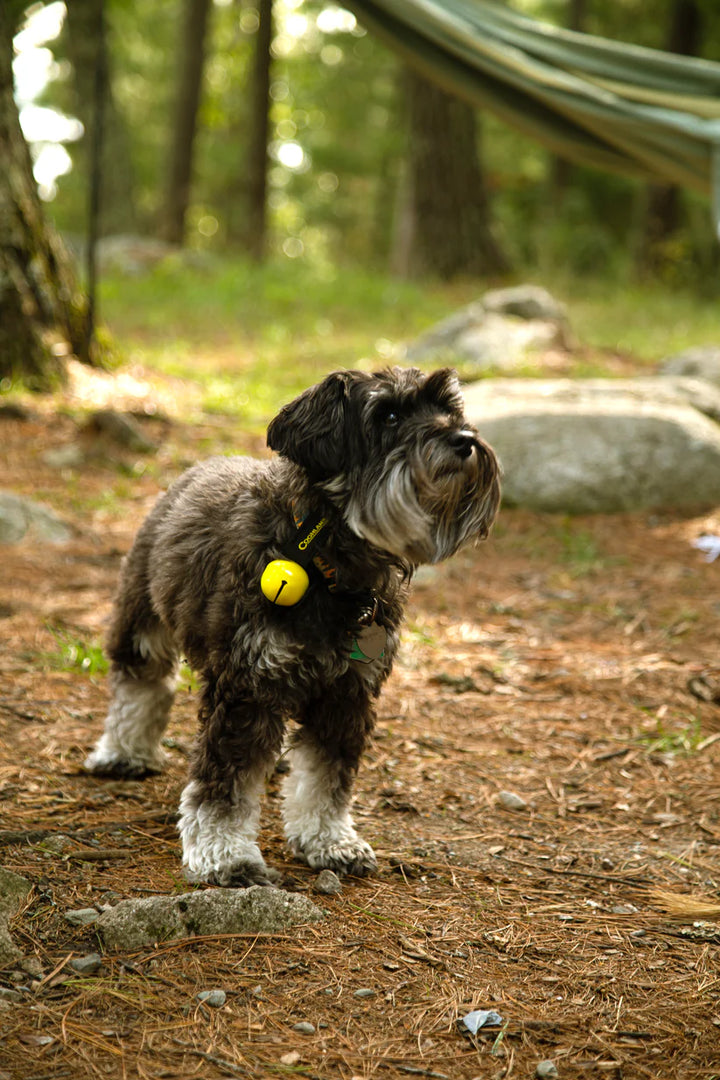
(400, 478)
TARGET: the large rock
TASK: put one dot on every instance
(526, 302)
(500, 331)
(13, 893)
(601, 445)
(131, 924)
(700, 362)
(20, 517)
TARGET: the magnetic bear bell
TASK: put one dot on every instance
(284, 582)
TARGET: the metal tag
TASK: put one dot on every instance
(369, 644)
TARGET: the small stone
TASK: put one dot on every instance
(304, 1027)
(290, 1059)
(365, 992)
(86, 965)
(82, 916)
(32, 966)
(10, 995)
(19, 516)
(119, 428)
(546, 1070)
(58, 844)
(69, 456)
(214, 998)
(510, 801)
(327, 883)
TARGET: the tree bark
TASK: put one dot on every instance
(81, 36)
(561, 171)
(664, 208)
(191, 68)
(41, 311)
(451, 218)
(260, 121)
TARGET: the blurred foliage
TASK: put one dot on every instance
(338, 142)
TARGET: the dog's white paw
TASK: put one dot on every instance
(238, 875)
(346, 856)
(114, 765)
(218, 840)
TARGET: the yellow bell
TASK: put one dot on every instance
(284, 582)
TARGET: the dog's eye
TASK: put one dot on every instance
(391, 418)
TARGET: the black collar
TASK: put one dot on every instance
(304, 548)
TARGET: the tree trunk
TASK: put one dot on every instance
(41, 311)
(451, 219)
(191, 67)
(561, 172)
(260, 121)
(81, 37)
(664, 209)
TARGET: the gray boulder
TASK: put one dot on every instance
(701, 362)
(526, 302)
(500, 331)
(600, 445)
(20, 517)
(132, 924)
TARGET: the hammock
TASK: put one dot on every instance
(619, 107)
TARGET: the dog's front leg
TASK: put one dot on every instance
(317, 793)
(236, 749)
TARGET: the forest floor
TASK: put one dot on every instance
(572, 662)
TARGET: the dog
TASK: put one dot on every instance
(283, 582)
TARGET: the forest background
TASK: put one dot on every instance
(285, 130)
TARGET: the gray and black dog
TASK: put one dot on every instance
(374, 475)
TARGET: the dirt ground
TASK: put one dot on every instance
(571, 662)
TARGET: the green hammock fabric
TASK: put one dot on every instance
(625, 108)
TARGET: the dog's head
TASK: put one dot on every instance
(394, 452)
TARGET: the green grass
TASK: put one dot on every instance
(249, 338)
(648, 321)
(680, 740)
(74, 654)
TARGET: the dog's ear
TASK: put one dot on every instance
(315, 430)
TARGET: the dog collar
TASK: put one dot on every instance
(370, 640)
(285, 581)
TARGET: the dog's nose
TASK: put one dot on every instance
(463, 443)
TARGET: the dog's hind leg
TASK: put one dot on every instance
(236, 751)
(317, 794)
(142, 678)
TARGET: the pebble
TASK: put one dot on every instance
(304, 1027)
(82, 916)
(64, 457)
(290, 1059)
(58, 844)
(86, 965)
(214, 998)
(365, 992)
(327, 883)
(546, 1070)
(10, 995)
(32, 966)
(510, 801)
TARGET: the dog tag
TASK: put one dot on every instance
(369, 644)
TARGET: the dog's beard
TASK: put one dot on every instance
(424, 506)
